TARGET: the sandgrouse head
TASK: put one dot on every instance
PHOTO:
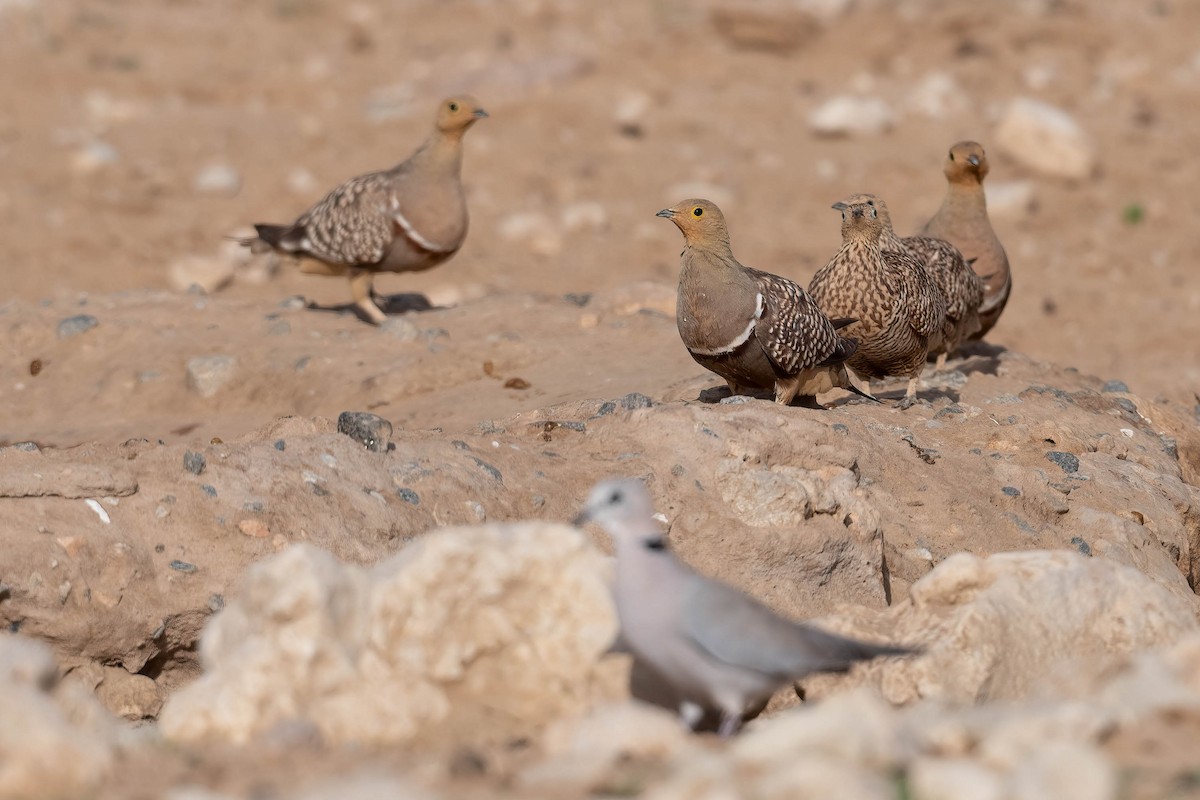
(966, 163)
(456, 114)
(700, 221)
(861, 217)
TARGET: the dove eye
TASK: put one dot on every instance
(614, 498)
(454, 106)
(699, 212)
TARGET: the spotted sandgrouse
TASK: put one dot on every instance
(899, 310)
(754, 329)
(963, 222)
(961, 287)
(405, 219)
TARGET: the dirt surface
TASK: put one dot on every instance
(550, 357)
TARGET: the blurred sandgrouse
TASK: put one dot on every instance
(963, 222)
(405, 219)
(897, 307)
(754, 329)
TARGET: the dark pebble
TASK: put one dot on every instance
(209, 490)
(844, 430)
(580, 299)
(254, 507)
(280, 445)
(301, 363)
(1125, 404)
(182, 566)
(371, 430)
(73, 326)
(216, 602)
(573, 425)
(160, 548)
(27, 447)
(1011, 491)
(460, 445)
(1067, 461)
(194, 462)
(1081, 545)
(489, 469)
(606, 408)
(1170, 446)
(635, 400)
(318, 489)
(975, 451)
(678, 470)
(1115, 386)
(953, 408)
(408, 495)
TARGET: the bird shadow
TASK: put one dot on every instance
(390, 304)
(981, 358)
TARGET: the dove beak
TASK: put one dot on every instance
(666, 212)
(582, 518)
(479, 113)
(839, 206)
(973, 160)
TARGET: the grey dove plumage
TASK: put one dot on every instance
(405, 219)
(963, 221)
(962, 289)
(754, 329)
(899, 310)
(713, 646)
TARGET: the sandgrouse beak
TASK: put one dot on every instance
(973, 160)
(666, 212)
(839, 206)
(479, 113)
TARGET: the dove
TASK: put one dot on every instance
(963, 221)
(899, 311)
(710, 645)
(754, 329)
(409, 218)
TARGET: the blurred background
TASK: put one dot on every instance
(136, 134)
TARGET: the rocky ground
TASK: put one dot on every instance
(214, 589)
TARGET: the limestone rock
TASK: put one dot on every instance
(206, 375)
(1046, 139)
(504, 621)
(850, 115)
(54, 741)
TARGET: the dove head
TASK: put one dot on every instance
(966, 163)
(700, 221)
(861, 217)
(622, 507)
(456, 114)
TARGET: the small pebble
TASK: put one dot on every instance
(489, 469)
(606, 408)
(73, 326)
(280, 445)
(1011, 491)
(194, 462)
(209, 490)
(216, 602)
(293, 303)
(635, 400)
(371, 430)
(844, 430)
(459, 444)
(735, 400)
(182, 566)
(1115, 386)
(1068, 462)
(408, 496)
(254, 507)
(1081, 545)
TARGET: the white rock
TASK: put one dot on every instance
(206, 375)
(631, 107)
(513, 617)
(1010, 198)
(937, 96)
(953, 779)
(209, 274)
(1046, 139)
(301, 181)
(534, 229)
(1064, 771)
(851, 115)
(221, 179)
(93, 157)
(584, 215)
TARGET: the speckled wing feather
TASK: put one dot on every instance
(963, 288)
(793, 331)
(351, 224)
(917, 294)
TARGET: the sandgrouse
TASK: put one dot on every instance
(898, 309)
(405, 219)
(963, 222)
(961, 287)
(754, 329)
